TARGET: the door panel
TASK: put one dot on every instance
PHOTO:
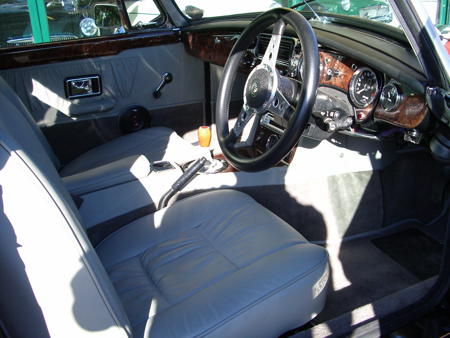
(127, 79)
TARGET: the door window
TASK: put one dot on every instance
(29, 22)
(143, 13)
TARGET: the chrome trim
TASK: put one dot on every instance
(83, 83)
(265, 122)
(351, 88)
(400, 96)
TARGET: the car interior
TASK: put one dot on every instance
(320, 205)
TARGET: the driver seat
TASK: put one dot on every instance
(215, 264)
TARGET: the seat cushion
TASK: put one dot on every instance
(158, 143)
(216, 264)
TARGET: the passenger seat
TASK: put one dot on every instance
(156, 144)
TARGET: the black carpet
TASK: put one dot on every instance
(415, 251)
(351, 204)
(360, 274)
(365, 270)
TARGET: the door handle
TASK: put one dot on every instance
(166, 78)
(82, 86)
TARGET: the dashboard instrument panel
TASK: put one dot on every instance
(368, 90)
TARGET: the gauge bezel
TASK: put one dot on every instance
(398, 99)
(351, 90)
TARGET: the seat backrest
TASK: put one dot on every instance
(19, 108)
(53, 283)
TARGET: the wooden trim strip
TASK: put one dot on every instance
(409, 114)
(84, 48)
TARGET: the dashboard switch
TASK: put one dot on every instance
(412, 136)
(339, 124)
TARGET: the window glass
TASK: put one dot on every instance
(375, 10)
(143, 13)
(26, 22)
(209, 8)
(13, 21)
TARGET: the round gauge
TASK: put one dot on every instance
(363, 87)
(391, 96)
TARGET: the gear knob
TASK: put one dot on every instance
(204, 136)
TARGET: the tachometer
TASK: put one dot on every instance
(391, 96)
(363, 87)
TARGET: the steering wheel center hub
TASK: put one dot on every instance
(259, 87)
(269, 90)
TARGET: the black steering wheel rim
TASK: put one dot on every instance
(306, 97)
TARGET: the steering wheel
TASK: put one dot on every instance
(266, 90)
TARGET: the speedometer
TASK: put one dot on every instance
(363, 87)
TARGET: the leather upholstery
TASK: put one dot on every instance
(216, 264)
(16, 115)
(22, 213)
(158, 143)
(121, 171)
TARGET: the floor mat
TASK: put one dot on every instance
(415, 251)
(326, 209)
(360, 274)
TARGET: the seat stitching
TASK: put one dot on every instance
(287, 284)
(122, 291)
(263, 298)
(268, 253)
(143, 139)
(149, 277)
(172, 260)
(152, 246)
(126, 226)
(118, 232)
(200, 222)
(219, 251)
(116, 155)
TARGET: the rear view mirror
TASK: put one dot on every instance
(194, 12)
(107, 16)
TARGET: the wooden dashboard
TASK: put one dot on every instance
(337, 71)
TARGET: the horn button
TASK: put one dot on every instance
(259, 87)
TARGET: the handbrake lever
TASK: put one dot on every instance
(182, 181)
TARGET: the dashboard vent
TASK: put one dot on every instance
(286, 47)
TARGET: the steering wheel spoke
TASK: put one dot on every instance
(271, 54)
(280, 106)
(244, 130)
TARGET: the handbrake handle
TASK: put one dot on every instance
(182, 181)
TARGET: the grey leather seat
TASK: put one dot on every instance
(215, 264)
(156, 144)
